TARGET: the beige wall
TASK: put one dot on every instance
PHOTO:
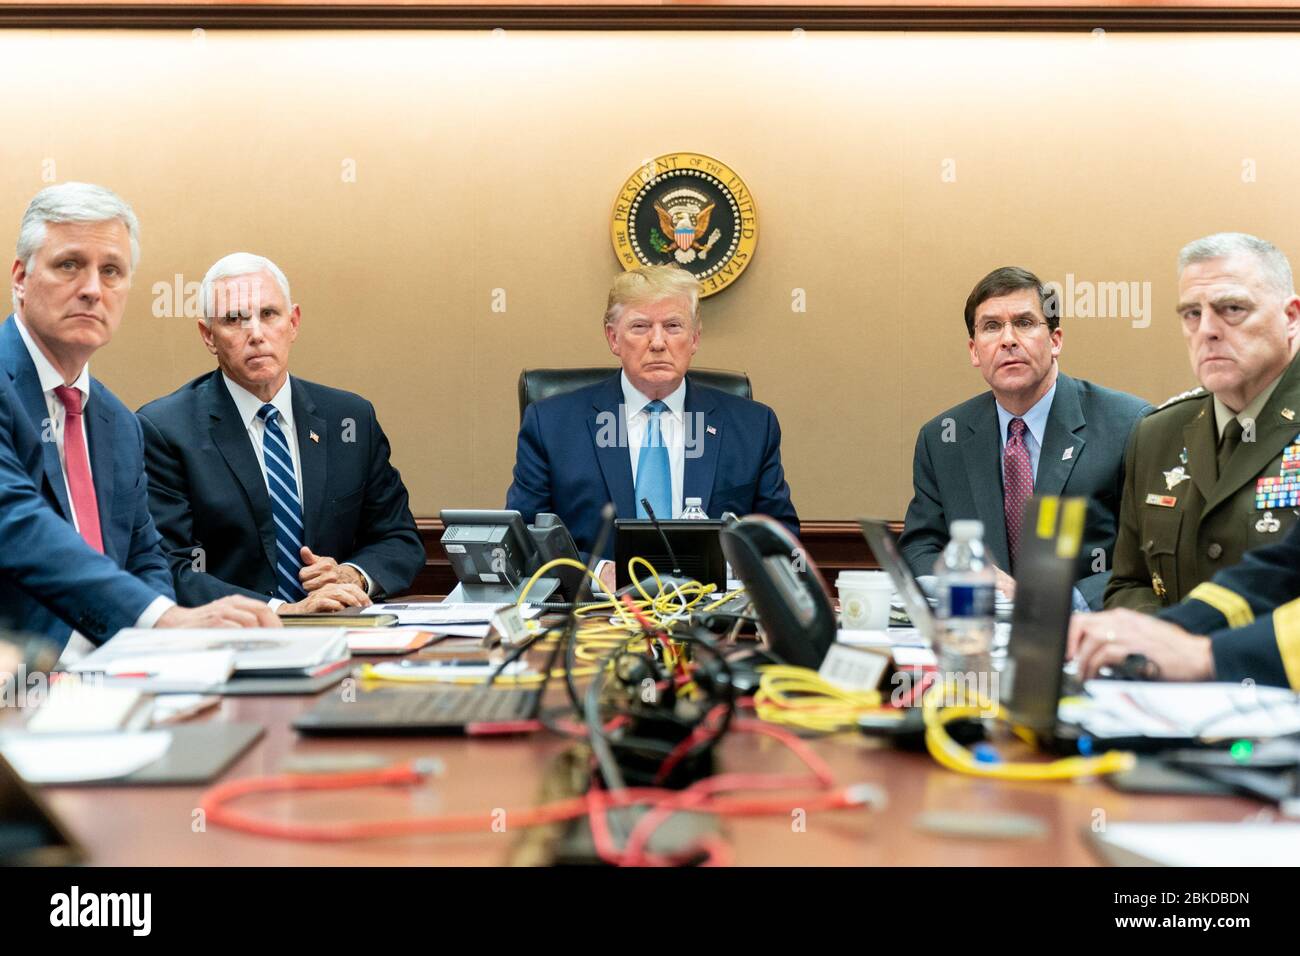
(492, 162)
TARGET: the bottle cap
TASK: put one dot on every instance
(694, 502)
(967, 530)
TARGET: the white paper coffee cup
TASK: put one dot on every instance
(864, 600)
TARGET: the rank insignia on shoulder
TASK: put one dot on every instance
(1182, 396)
(1162, 501)
(1174, 477)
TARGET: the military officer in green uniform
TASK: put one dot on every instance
(1215, 472)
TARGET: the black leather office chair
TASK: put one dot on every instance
(538, 383)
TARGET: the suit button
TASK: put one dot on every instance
(1215, 551)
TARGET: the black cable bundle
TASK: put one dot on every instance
(658, 722)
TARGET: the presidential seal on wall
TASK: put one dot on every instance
(687, 209)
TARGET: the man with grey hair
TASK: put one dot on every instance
(79, 553)
(1215, 472)
(267, 485)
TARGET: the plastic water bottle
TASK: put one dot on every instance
(694, 510)
(965, 611)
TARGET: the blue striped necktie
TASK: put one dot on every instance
(654, 477)
(286, 506)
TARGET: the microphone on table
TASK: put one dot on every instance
(672, 555)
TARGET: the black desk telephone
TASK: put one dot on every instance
(788, 592)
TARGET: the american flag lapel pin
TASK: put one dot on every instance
(314, 437)
(710, 429)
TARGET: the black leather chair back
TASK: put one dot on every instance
(538, 383)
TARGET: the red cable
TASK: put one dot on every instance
(698, 792)
(701, 732)
(702, 796)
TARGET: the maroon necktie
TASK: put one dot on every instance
(77, 468)
(1017, 483)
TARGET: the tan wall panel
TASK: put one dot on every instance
(489, 163)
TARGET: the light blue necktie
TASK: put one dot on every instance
(654, 477)
(286, 506)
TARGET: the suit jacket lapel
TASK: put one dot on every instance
(981, 450)
(230, 436)
(1064, 430)
(28, 386)
(99, 432)
(313, 454)
(607, 422)
(1273, 432)
(702, 446)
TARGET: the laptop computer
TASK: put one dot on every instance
(422, 709)
(885, 547)
(696, 550)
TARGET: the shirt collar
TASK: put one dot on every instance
(1035, 419)
(249, 404)
(635, 402)
(1223, 414)
(49, 376)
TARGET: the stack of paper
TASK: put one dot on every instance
(76, 706)
(1210, 711)
(190, 661)
(458, 620)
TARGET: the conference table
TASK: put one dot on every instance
(158, 825)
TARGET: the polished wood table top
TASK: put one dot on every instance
(156, 825)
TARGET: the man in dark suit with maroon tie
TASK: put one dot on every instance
(1036, 431)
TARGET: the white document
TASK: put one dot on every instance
(914, 657)
(86, 707)
(446, 618)
(167, 673)
(39, 758)
(254, 649)
(894, 637)
(1208, 710)
(1208, 844)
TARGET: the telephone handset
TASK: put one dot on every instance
(785, 586)
(553, 541)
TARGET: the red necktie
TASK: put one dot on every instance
(77, 467)
(1017, 483)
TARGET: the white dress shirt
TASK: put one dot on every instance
(248, 405)
(50, 379)
(672, 432)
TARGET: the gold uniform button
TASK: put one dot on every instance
(1215, 551)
